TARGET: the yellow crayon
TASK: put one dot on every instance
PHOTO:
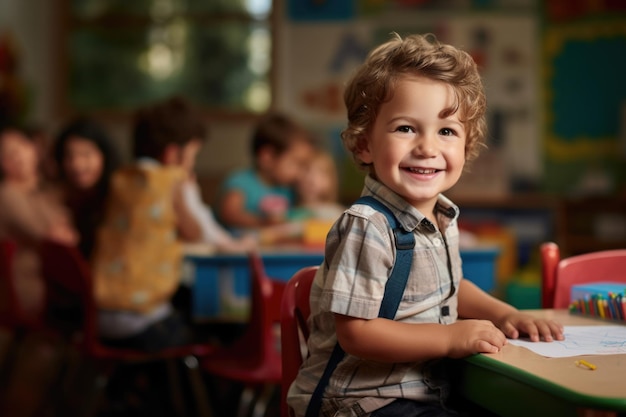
(586, 364)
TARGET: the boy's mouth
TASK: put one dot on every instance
(424, 171)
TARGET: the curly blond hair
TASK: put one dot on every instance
(421, 55)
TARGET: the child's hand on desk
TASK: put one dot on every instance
(474, 336)
(537, 329)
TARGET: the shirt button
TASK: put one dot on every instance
(437, 242)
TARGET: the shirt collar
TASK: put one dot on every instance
(408, 216)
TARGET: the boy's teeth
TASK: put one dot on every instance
(423, 171)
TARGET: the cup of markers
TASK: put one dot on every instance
(611, 306)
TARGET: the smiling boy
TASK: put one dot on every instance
(415, 116)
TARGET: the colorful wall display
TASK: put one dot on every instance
(322, 42)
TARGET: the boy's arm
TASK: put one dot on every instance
(187, 225)
(477, 304)
(384, 340)
(233, 213)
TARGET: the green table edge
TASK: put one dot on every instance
(561, 398)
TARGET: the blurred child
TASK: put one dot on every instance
(263, 195)
(416, 114)
(138, 255)
(318, 188)
(29, 213)
(86, 158)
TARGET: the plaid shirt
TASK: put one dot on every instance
(359, 257)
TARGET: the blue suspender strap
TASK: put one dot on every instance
(405, 243)
(394, 288)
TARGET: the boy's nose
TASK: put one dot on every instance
(426, 146)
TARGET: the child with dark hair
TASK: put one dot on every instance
(138, 257)
(263, 194)
(86, 158)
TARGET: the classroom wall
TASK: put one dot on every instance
(34, 32)
(320, 43)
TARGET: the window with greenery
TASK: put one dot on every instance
(123, 54)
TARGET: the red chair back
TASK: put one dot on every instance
(11, 312)
(559, 275)
(295, 312)
(265, 295)
(69, 288)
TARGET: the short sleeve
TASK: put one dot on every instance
(360, 255)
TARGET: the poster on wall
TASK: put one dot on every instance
(320, 48)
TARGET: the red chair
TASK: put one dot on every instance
(12, 316)
(70, 291)
(254, 359)
(559, 275)
(295, 311)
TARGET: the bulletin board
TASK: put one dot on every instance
(585, 98)
(322, 42)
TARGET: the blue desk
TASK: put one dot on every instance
(221, 283)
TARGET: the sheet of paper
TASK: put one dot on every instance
(581, 340)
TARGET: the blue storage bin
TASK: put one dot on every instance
(479, 266)
(221, 283)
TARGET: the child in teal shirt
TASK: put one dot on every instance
(263, 195)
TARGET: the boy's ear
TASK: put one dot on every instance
(171, 155)
(363, 151)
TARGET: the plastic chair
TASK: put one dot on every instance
(70, 293)
(254, 359)
(559, 275)
(295, 311)
(12, 317)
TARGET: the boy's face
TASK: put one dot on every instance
(414, 149)
(286, 168)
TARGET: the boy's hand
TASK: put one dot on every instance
(474, 336)
(537, 329)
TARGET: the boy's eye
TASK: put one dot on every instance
(447, 132)
(404, 129)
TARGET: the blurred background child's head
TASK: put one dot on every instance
(281, 149)
(85, 155)
(19, 156)
(171, 132)
(319, 183)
